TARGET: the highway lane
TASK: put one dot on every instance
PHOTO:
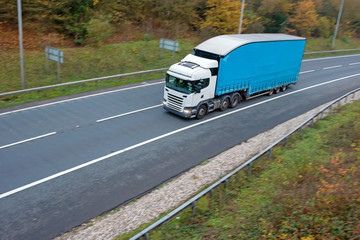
(101, 186)
(67, 115)
(71, 114)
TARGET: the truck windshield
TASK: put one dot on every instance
(185, 86)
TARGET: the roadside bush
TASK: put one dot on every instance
(98, 29)
(324, 28)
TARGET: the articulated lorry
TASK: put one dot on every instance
(229, 68)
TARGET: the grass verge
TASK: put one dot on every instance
(85, 63)
(308, 189)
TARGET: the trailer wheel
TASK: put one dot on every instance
(283, 88)
(235, 101)
(201, 111)
(277, 90)
(225, 104)
(271, 92)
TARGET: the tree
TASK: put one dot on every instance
(324, 28)
(274, 14)
(254, 23)
(305, 18)
(222, 16)
(71, 17)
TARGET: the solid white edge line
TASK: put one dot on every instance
(87, 96)
(343, 56)
(307, 71)
(27, 140)
(128, 113)
(354, 63)
(337, 66)
(162, 136)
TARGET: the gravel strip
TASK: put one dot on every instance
(173, 193)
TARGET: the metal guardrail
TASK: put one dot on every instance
(192, 202)
(118, 76)
(81, 81)
(333, 51)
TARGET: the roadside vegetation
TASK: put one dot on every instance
(308, 189)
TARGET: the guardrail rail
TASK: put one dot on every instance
(81, 81)
(192, 202)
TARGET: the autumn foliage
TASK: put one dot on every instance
(78, 19)
(304, 18)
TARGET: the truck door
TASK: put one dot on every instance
(205, 92)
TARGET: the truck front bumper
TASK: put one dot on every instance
(188, 113)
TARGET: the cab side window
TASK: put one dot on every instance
(204, 82)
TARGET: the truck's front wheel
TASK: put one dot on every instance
(201, 112)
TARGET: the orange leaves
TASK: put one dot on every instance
(324, 170)
(222, 16)
(305, 18)
(336, 187)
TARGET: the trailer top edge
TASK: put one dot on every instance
(224, 44)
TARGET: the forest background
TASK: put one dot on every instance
(94, 22)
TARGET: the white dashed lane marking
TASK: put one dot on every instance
(337, 66)
(27, 140)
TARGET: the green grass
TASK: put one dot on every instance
(307, 190)
(84, 63)
(319, 44)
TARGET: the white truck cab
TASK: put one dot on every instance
(188, 83)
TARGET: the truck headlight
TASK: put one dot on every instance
(187, 110)
(164, 102)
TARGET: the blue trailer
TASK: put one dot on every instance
(228, 68)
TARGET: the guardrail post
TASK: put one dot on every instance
(286, 140)
(193, 207)
(270, 153)
(147, 236)
(226, 183)
(211, 193)
(321, 114)
(249, 168)
(301, 128)
(312, 122)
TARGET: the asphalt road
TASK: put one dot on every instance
(65, 162)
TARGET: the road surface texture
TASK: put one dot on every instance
(65, 162)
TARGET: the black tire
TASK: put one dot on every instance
(283, 88)
(270, 92)
(225, 104)
(202, 111)
(276, 90)
(235, 101)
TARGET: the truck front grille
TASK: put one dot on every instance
(175, 102)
